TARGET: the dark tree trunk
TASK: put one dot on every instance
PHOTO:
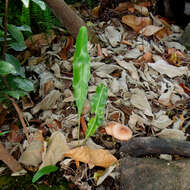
(70, 20)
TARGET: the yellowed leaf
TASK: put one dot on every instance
(93, 157)
(136, 23)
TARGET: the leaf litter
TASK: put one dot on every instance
(143, 67)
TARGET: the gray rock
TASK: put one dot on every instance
(154, 174)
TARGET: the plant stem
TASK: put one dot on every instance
(79, 129)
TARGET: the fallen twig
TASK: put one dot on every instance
(142, 146)
(9, 160)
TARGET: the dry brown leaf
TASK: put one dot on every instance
(163, 33)
(136, 23)
(56, 149)
(141, 9)
(123, 6)
(37, 41)
(68, 46)
(93, 157)
(150, 30)
(95, 11)
(15, 135)
(147, 57)
(32, 156)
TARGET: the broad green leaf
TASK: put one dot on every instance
(26, 3)
(14, 93)
(98, 103)
(25, 28)
(19, 45)
(6, 68)
(15, 62)
(45, 170)
(18, 83)
(81, 69)
(40, 3)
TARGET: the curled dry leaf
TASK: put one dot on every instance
(136, 23)
(93, 157)
(119, 131)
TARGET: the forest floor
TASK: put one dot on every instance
(146, 70)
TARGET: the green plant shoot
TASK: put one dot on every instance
(44, 171)
(81, 71)
(98, 103)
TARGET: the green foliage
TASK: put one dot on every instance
(44, 171)
(6, 68)
(14, 75)
(81, 76)
(81, 71)
(98, 103)
(17, 38)
(3, 133)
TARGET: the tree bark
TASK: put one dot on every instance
(70, 20)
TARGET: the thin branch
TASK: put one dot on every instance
(21, 118)
(5, 29)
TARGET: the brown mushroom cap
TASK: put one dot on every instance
(118, 131)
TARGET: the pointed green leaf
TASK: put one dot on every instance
(81, 69)
(98, 103)
(44, 171)
(6, 68)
